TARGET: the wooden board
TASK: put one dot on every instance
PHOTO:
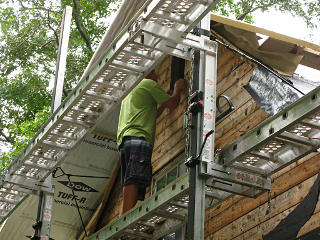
(255, 29)
(236, 207)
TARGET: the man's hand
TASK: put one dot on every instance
(179, 85)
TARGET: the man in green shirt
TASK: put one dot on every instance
(136, 132)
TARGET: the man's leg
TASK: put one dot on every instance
(130, 197)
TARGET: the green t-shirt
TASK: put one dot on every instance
(139, 111)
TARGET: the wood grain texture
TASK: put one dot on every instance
(236, 207)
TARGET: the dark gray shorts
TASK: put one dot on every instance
(135, 157)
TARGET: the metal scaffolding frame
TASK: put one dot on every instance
(244, 167)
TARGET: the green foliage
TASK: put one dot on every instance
(29, 39)
(24, 132)
(308, 10)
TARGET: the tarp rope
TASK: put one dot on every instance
(63, 173)
(284, 80)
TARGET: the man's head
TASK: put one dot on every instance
(152, 75)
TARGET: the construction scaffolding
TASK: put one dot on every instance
(243, 167)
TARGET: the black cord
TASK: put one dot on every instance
(78, 208)
(204, 142)
(286, 81)
(71, 175)
(74, 175)
(191, 161)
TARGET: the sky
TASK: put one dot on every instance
(292, 26)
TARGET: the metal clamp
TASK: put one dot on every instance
(226, 112)
(200, 32)
(195, 106)
(196, 102)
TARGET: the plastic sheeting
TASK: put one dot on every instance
(269, 92)
(283, 62)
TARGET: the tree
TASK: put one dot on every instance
(29, 39)
(308, 10)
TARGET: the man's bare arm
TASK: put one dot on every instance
(174, 100)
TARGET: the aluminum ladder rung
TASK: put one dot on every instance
(179, 205)
(103, 97)
(58, 146)
(138, 53)
(300, 140)
(10, 201)
(89, 112)
(170, 214)
(310, 123)
(261, 155)
(7, 191)
(64, 135)
(128, 67)
(137, 45)
(40, 167)
(21, 191)
(129, 232)
(100, 85)
(78, 122)
(171, 18)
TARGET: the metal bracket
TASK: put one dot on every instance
(201, 32)
(234, 175)
(196, 102)
(226, 112)
(173, 38)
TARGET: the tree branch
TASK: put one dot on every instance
(38, 7)
(97, 4)
(8, 139)
(45, 44)
(54, 31)
(242, 16)
(80, 27)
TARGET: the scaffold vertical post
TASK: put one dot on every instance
(46, 199)
(204, 80)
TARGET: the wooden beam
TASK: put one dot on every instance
(234, 77)
(255, 29)
(241, 128)
(91, 226)
(257, 217)
(175, 151)
(228, 66)
(234, 118)
(169, 131)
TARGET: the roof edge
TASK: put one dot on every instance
(255, 29)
